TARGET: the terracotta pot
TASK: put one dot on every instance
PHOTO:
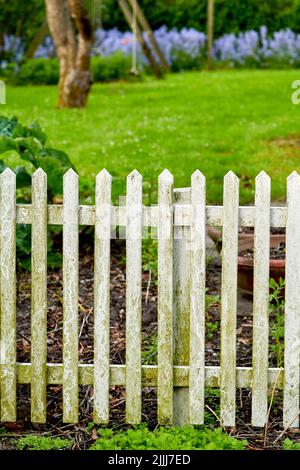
(245, 265)
(216, 235)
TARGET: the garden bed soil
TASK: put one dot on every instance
(258, 439)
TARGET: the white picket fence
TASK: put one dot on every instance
(180, 376)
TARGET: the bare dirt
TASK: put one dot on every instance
(258, 439)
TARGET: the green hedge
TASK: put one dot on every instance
(46, 71)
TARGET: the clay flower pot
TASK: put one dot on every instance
(216, 235)
(245, 265)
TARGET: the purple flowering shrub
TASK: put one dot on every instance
(187, 48)
(254, 48)
(184, 50)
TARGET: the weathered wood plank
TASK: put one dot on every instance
(165, 299)
(149, 375)
(197, 322)
(134, 298)
(261, 300)
(292, 305)
(181, 313)
(182, 215)
(39, 297)
(8, 377)
(70, 297)
(102, 297)
(229, 299)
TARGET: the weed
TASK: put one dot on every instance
(211, 328)
(290, 445)
(149, 353)
(276, 300)
(42, 443)
(185, 438)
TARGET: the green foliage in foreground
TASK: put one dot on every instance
(42, 443)
(29, 142)
(290, 445)
(186, 438)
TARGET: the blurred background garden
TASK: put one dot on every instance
(234, 112)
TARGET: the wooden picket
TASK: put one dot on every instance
(39, 298)
(8, 295)
(181, 307)
(102, 297)
(70, 297)
(292, 305)
(261, 300)
(229, 299)
(197, 299)
(180, 375)
(134, 298)
(165, 299)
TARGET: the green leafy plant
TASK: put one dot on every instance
(212, 406)
(149, 352)
(211, 328)
(185, 438)
(290, 445)
(30, 144)
(276, 300)
(42, 443)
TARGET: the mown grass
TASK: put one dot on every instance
(225, 120)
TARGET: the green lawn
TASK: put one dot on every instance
(230, 120)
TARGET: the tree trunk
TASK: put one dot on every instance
(210, 34)
(73, 53)
(37, 40)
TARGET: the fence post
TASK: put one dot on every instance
(197, 298)
(134, 224)
(102, 297)
(261, 300)
(292, 305)
(8, 378)
(229, 299)
(70, 297)
(39, 297)
(181, 326)
(165, 300)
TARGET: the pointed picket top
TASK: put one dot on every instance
(230, 176)
(39, 171)
(104, 175)
(39, 174)
(293, 185)
(198, 177)
(70, 175)
(166, 176)
(8, 174)
(263, 183)
(262, 176)
(293, 175)
(134, 176)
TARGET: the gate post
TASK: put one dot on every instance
(181, 262)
